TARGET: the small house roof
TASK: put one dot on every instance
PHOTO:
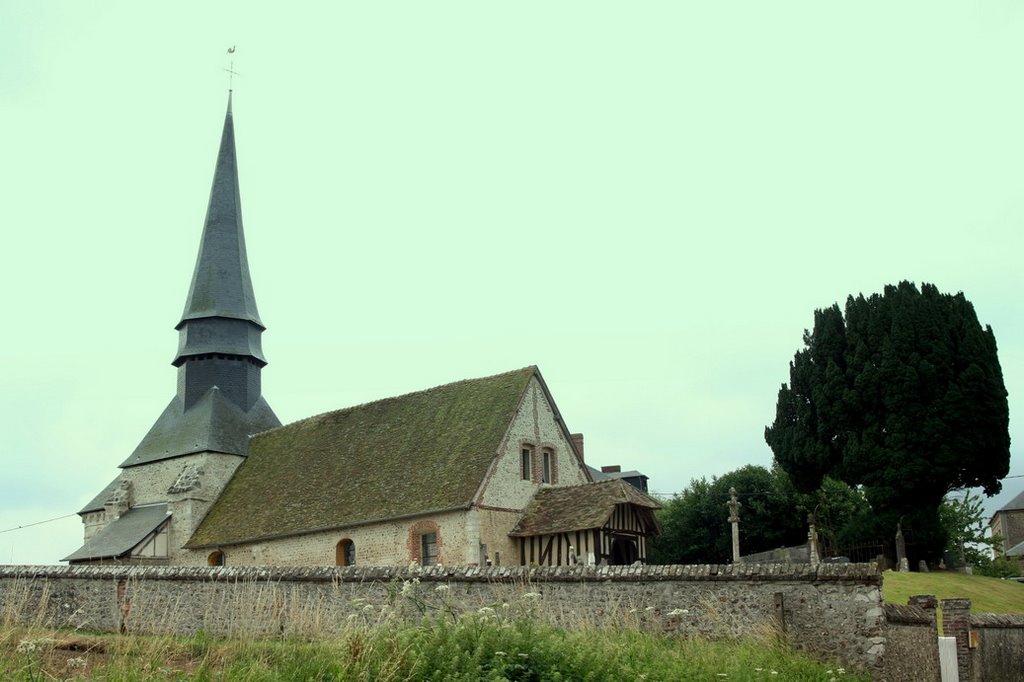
(578, 507)
(119, 536)
(1016, 550)
(423, 452)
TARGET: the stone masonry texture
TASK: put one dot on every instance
(833, 612)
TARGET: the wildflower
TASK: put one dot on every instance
(500, 653)
(414, 565)
(27, 646)
(677, 612)
(441, 588)
(485, 611)
(775, 672)
(721, 674)
(523, 655)
(531, 595)
(649, 609)
(504, 605)
(841, 671)
(77, 662)
(757, 670)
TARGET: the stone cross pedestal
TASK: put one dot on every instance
(734, 518)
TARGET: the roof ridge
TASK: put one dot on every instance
(350, 408)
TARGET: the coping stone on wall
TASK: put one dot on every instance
(866, 573)
(907, 614)
(997, 620)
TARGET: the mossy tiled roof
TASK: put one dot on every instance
(579, 507)
(396, 457)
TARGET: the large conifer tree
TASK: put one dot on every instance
(905, 396)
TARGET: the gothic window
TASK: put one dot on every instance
(345, 553)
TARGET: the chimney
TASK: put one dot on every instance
(577, 440)
(611, 469)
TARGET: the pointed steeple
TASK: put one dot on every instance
(219, 402)
(221, 285)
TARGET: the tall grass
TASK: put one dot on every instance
(412, 635)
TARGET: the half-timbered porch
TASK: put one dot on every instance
(598, 523)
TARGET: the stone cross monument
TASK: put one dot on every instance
(734, 518)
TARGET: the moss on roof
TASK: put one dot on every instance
(399, 456)
(580, 507)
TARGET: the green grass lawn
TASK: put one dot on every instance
(987, 595)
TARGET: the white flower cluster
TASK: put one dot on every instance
(76, 663)
(27, 646)
(409, 586)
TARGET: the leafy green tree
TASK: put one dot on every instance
(695, 525)
(963, 519)
(903, 396)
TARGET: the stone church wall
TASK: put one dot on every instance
(383, 543)
(834, 612)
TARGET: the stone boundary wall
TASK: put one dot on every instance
(911, 641)
(831, 611)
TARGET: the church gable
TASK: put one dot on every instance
(413, 454)
(537, 451)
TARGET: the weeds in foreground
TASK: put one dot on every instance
(507, 641)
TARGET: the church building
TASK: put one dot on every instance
(481, 471)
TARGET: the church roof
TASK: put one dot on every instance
(97, 503)
(221, 285)
(422, 452)
(577, 507)
(119, 536)
(213, 423)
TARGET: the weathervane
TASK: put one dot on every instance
(231, 68)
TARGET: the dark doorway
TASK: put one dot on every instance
(623, 552)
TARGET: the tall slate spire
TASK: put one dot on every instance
(221, 286)
(219, 403)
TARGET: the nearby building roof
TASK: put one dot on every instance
(122, 534)
(1015, 504)
(214, 424)
(413, 454)
(579, 507)
(1016, 550)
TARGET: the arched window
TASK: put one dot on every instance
(345, 553)
(216, 558)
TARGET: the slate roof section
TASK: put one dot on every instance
(418, 453)
(221, 285)
(578, 507)
(97, 503)
(214, 424)
(122, 534)
(1015, 504)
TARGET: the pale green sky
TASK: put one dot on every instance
(647, 200)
